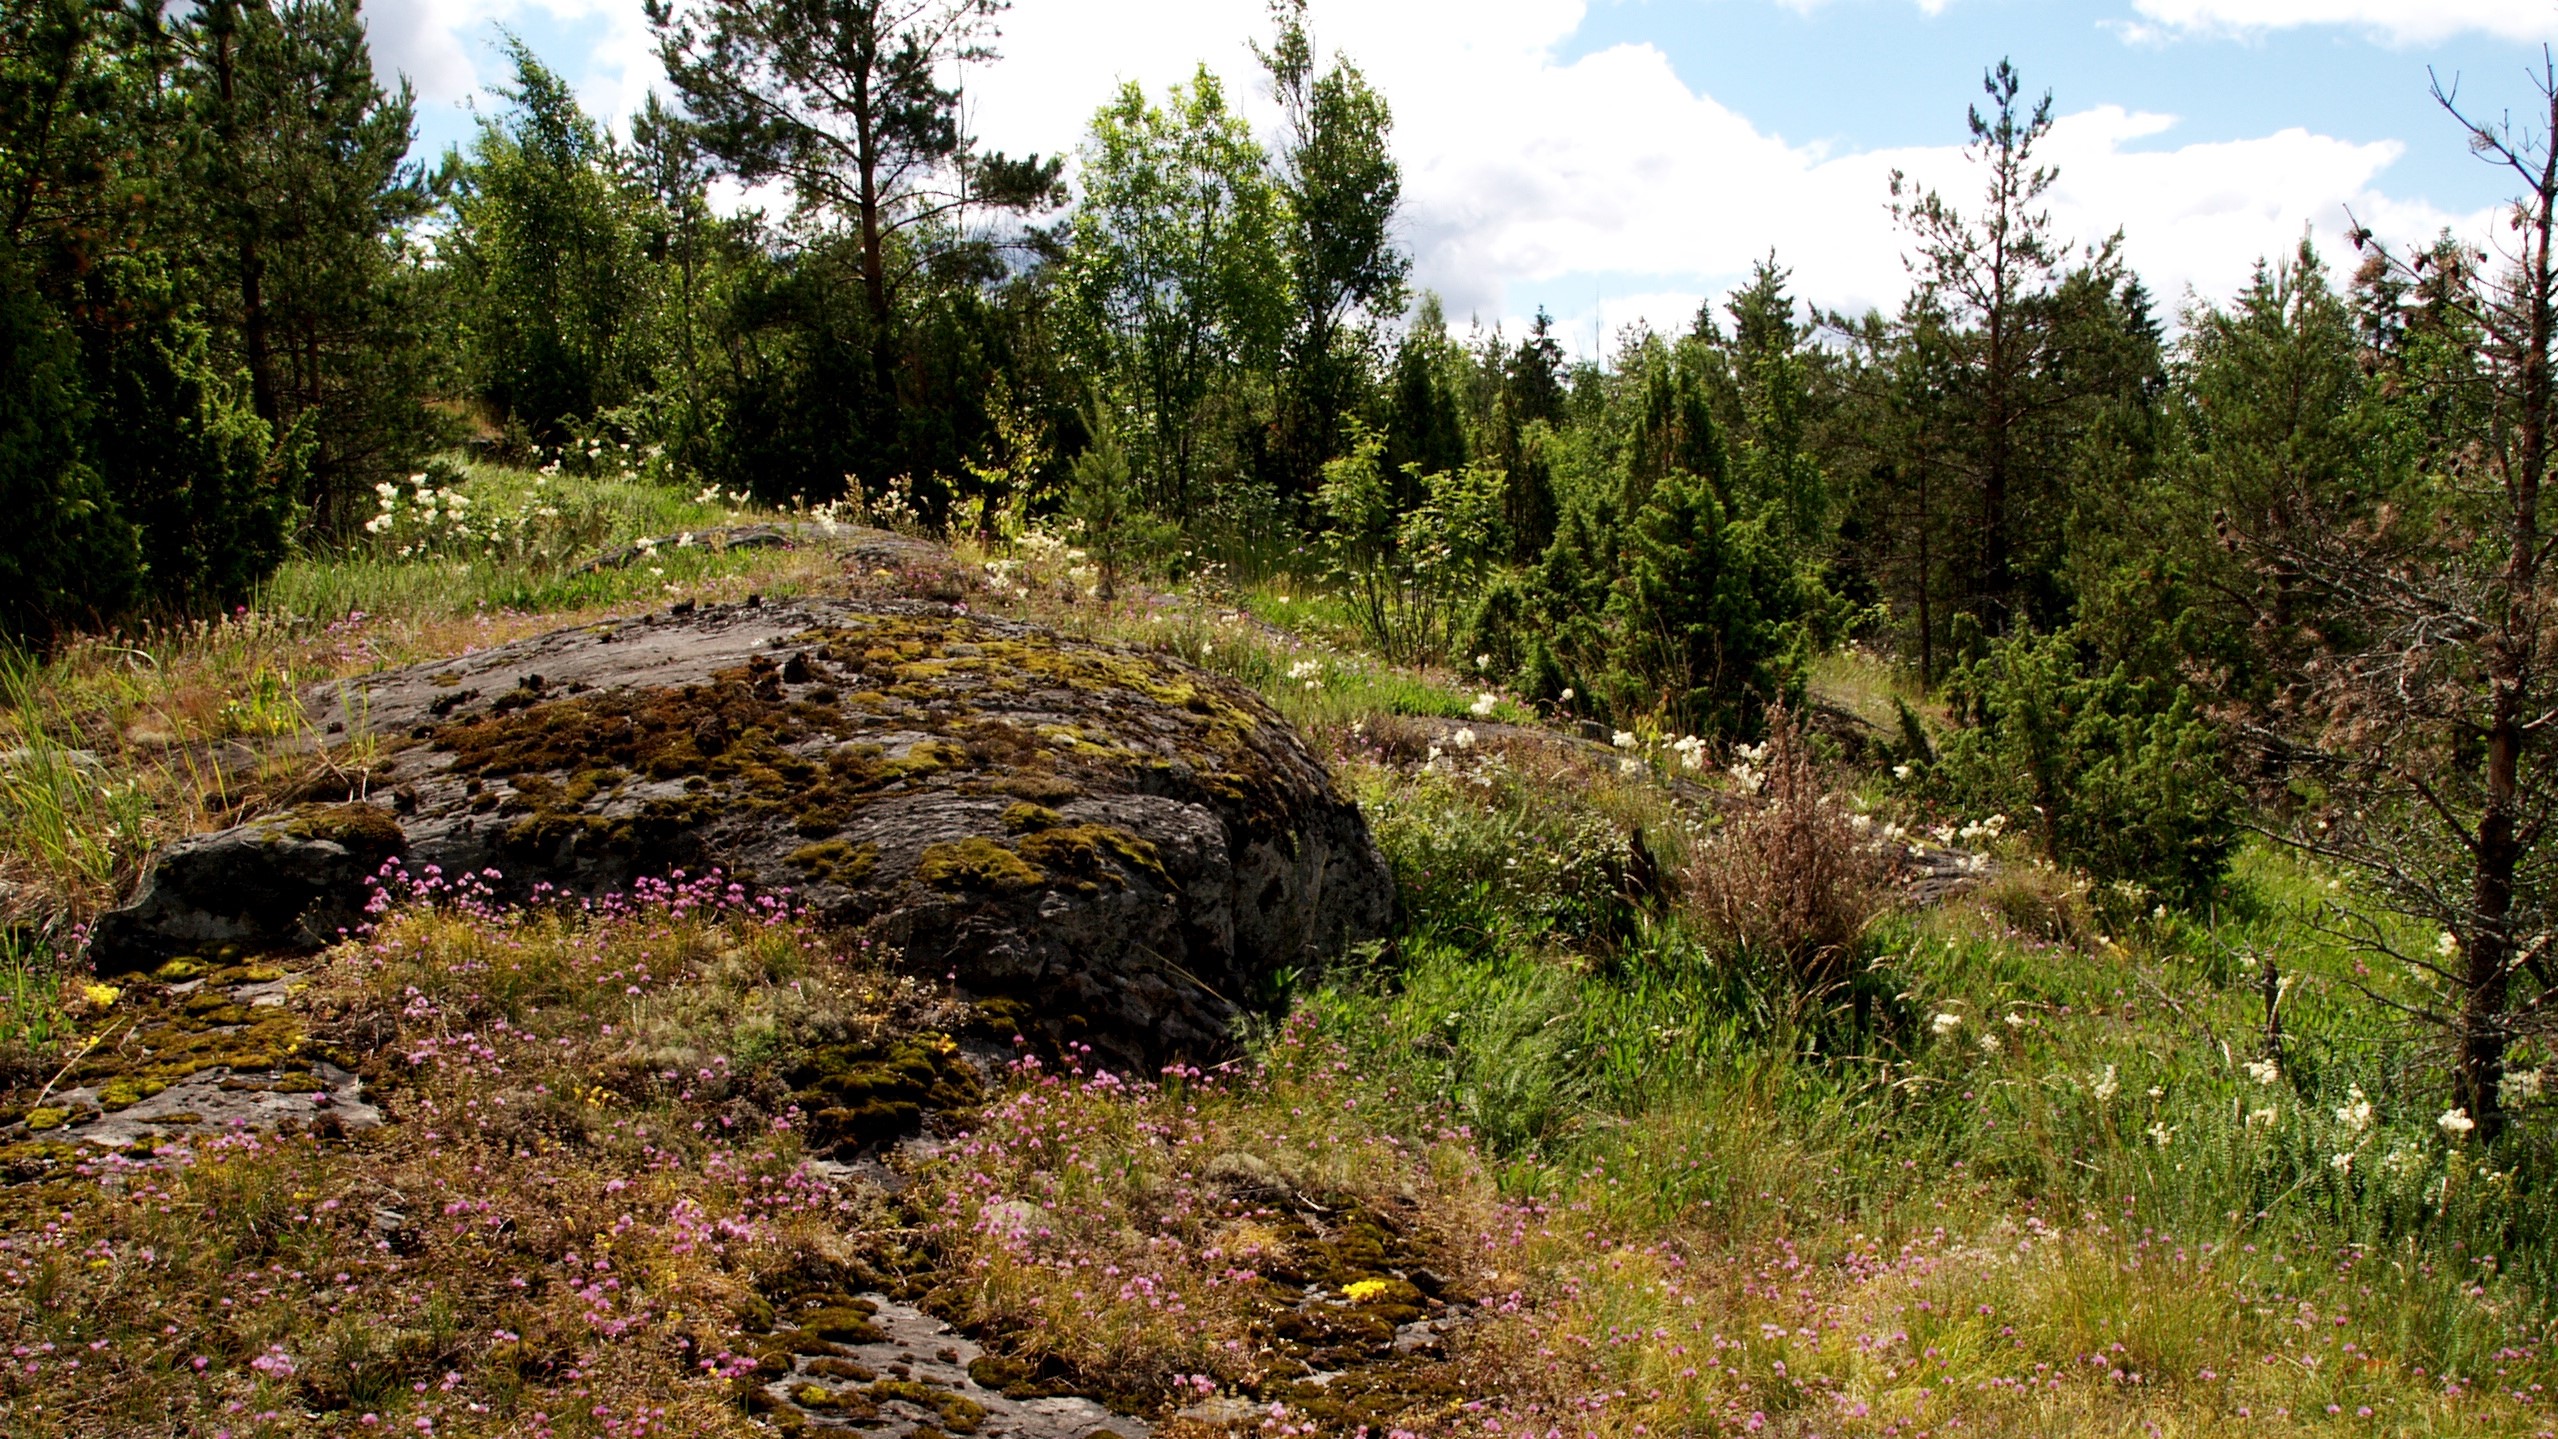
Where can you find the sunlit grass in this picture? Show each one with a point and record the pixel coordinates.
(2059, 1176)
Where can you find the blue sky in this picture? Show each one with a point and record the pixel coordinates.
(1912, 73)
(1619, 160)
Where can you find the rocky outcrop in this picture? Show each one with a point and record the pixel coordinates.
(1131, 848)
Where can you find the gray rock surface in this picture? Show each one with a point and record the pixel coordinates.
(1130, 848)
(923, 1365)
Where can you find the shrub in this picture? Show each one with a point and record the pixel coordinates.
(1407, 573)
(1791, 882)
(69, 552)
(191, 465)
(2121, 773)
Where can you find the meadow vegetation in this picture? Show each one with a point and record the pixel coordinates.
(1978, 869)
(2048, 1156)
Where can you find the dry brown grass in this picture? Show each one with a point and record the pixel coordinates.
(1788, 881)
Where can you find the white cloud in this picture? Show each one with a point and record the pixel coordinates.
(443, 46)
(1522, 169)
(2406, 22)
(1526, 176)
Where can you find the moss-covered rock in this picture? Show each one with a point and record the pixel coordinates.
(1127, 846)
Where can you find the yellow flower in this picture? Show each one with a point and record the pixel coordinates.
(101, 995)
(1363, 1290)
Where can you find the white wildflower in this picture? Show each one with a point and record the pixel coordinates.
(2355, 1115)
(2264, 1071)
(1992, 1044)
(1901, 771)
(2160, 1134)
(2107, 1086)
(1691, 752)
(1945, 1024)
(1463, 739)
(1564, 698)
(1625, 739)
(1482, 663)
(2446, 944)
(2015, 1020)
(1629, 767)
(2342, 1163)
(2456, 1123)
(2156, 1093)
(2265, 1118)
(1484, 704)
(2520, 1087)
(1305, 669)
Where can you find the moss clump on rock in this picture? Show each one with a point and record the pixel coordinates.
(866, 1094)
(364, 828)
(837, 861)
(842, 1326)
(1093, 852)
(977, 863)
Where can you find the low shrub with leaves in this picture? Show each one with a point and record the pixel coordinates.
(2121, 775)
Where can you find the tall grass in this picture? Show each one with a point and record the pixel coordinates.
(2118, 1087)
(67, 819)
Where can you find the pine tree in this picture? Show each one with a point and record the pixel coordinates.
(301, 199)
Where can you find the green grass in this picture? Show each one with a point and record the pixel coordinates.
(1654, 1086)
(2037, 1182)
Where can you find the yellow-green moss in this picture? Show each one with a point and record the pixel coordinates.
(837, 860)
(1031, 818)
(357, 826)
(977, 863)
(1085, 851)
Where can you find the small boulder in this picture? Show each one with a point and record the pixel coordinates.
(288, 882)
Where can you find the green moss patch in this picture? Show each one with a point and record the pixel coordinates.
(837, 861)
(978, 864)
(865, 1094)
(1093, 852)
(364, 828)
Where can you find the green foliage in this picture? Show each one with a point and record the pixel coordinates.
(1409, 572)
(300, 202)
(69, 554)
(211, 495)
(1176, 275)
(1716, 615)
(1102, 499)
(1341, 187)
(544, 249)
(2119, 776)
(1424, 432)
